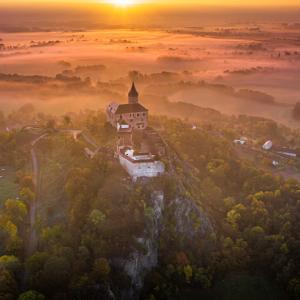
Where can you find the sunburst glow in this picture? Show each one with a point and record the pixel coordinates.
(123, 3)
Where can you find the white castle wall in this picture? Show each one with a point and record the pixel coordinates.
(142, 169)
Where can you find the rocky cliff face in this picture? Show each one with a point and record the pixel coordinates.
(191, 222)
(140, 263)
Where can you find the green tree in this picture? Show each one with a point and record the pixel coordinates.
(56, 272)
(31, 295)
(34, 267)
(27, 182)
(96, 217)
(188, 273)
(15, 210)
(8, 285)
(101, 268)
(67, 120)
(10, 263)
(27, 195)
(202, 277)
(51, 124)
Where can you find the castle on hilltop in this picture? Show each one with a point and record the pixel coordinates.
(132, 119)
(131, 115)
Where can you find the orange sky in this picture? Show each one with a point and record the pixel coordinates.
(185, 3)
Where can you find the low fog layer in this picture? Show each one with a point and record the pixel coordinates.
(237, 69)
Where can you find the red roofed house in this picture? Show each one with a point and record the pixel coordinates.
(133, 113)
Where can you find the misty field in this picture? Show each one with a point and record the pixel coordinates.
(67, 71)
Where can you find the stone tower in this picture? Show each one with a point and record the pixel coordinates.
(133, 95)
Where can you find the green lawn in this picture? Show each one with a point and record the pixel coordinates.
(241, 286)
(8, 187)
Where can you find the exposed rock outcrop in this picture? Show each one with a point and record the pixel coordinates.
(190, 222)
(141, 262)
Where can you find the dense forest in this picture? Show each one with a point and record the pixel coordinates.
(228, 229)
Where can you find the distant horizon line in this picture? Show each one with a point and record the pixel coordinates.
(38, 6)
(142, 15)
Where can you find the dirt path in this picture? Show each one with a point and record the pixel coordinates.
(32, 241)
(89, 140)
(74, 132)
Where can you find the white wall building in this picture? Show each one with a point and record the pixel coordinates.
(140, 164)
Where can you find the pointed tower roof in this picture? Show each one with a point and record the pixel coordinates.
(133, 92)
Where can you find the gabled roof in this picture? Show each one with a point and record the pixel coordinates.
(130, 108)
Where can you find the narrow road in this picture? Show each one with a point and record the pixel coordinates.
(74, 132)
(32, 241)
(93, 143)
(89, 140)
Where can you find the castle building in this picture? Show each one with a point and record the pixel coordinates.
(128, 119)
(131, 115)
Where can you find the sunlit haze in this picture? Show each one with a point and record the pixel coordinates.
(158, 2)
(122, 3)
(150, 149)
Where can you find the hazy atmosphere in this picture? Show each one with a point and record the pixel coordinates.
(261, 58)
(149, 150)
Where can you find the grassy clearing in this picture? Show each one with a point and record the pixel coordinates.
(8, 187)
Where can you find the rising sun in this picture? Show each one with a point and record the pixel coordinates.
(122, 2)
